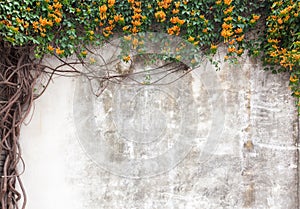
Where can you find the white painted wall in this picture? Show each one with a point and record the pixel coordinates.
(59, 174)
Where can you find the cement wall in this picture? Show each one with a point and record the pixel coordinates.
(225, 139)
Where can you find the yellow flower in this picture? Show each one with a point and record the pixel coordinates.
(227, 2)
(92, 60)
(135, 42)
(218, 2)
(177, 4)
(293, 79)
(178, 57)
(43, 34)
(191, 39)
(231, 49)
(26, 25)
(28, 9)
(213, 47)
(84, 53)
(127, 38)
(126, 58)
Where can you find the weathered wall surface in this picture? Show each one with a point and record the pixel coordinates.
(225, 139)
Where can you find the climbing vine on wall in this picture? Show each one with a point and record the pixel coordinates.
(267, 29)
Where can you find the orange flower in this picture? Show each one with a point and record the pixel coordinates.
(19, 20)
(175, 11)
(111, 22)
(49, 22)
(59, 51)
(103, 9)
(231, 42)
(136, 16)
(226, 26)
(293, 79)
(50, 48)
(231, 49)
(238, 30)
(160, 16)
(279, 21)
(105, 34)
(57, 5)
(135, 30)
(57, 20)
(136, 23)
(228, 19)
(240, 51)
(125, 28)
(170, 31)
(204, 30)
(226, 33)
(26, 25)
(239, 39)
(111, 3)
(138, 3)
(229, 10)
(43, 21)
(256, 17)
(174, 20)
(177, 4)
